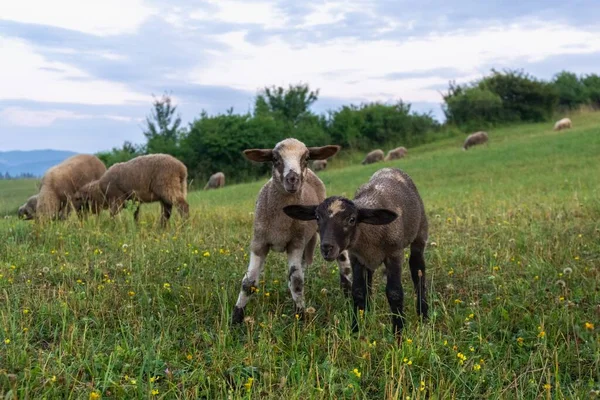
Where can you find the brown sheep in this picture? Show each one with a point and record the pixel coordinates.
(144, 179)
(564, 123)
(216, 181)
(61, 182)
(386, 216)
(319, 165)
(396, 154)
(475, 139)
(373, 157)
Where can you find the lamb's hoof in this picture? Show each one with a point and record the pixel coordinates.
(238, 316)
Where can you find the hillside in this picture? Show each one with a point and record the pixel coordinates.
(34, 162)
(512, 270)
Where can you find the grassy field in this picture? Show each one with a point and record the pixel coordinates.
(107, 309)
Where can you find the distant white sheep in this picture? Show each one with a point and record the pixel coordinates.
(564, 123)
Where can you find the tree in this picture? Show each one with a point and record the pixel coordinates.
(163, 127)
(291, 104)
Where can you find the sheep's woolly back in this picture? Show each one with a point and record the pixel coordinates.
(391, 189)
(564, 123)
(215, 181)
(396, 153)
(475, 139)
(153, 177)
(61, 182)
(374, 156)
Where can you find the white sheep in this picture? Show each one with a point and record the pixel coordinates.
(564, 123)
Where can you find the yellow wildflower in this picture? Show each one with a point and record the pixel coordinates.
(356, 372)
(25, 311)
(520, 341)
(547, 386)
(542, 334)
(155, 392)
(422, 386)
(131, 293)
(206, 254)
(476, 367)
(589, 325)
(409, 341)
(189, 357)
(7, 341)
(94, 396)
(153, 379)
(248, 384)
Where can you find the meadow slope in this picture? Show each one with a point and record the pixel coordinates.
(105, 308)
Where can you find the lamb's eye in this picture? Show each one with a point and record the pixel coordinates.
(351, 221)
(317, 217)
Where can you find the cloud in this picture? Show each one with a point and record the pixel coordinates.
(247, 66)
(28, 75)
(263, 13)
(18, 116)
(103, 18)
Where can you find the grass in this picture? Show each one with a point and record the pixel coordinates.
(105, 308)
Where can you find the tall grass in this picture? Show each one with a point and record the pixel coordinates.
(107, 308)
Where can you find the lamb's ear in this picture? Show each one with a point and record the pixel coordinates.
(322, 153)
(376, 216)
(259, 155)
(303, 213)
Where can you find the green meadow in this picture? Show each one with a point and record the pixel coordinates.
(107, 309)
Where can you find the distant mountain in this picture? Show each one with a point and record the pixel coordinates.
(34, 162)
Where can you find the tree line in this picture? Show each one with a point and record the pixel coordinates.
(212, 143)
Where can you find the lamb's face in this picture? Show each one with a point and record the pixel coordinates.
(290, 161)
(338, 219)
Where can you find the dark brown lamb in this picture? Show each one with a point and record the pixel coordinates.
(386, 216)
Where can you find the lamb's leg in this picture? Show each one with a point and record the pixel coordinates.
(359, 290)
(296, 277)
(166, 213)
(136, 213)
(394, 293)
(417, 273)
(309, 251)
(249, 283)
(345, 270)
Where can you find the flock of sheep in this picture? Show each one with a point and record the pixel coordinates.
(292, 211)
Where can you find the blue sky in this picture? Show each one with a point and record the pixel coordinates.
(79, 75)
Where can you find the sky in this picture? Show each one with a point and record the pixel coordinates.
(80, 74)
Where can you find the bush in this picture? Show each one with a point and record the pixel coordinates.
(572, 92)
(502, 97)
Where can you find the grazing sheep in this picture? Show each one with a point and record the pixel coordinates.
(564, 123)
(61, 182)
(292, 183)
(386, 216)
(144, 179)
(319, 165)
(373, 157)
(216, 181)
(396, 154)
(475, 139)
(27, 210)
